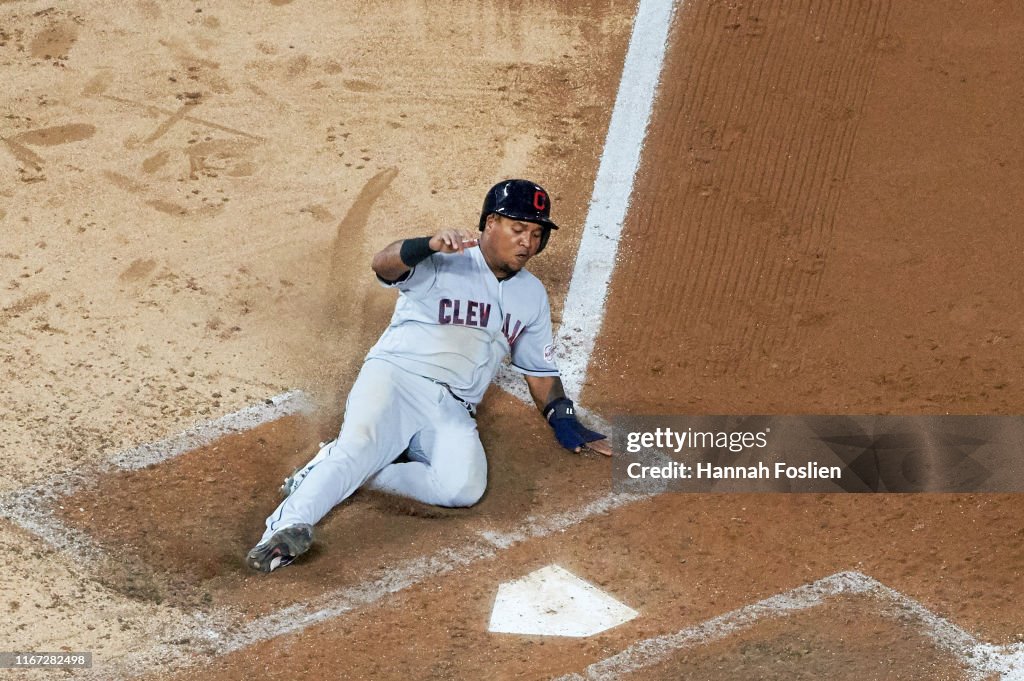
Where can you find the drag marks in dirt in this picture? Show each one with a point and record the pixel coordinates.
(206, 159)
(167, 124)
(351, 232)
(980, 659)
(209, 157)
(45, 137)
(345, 320)
(157, 111)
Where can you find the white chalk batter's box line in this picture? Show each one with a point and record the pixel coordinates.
(224, 631)
(981, 660)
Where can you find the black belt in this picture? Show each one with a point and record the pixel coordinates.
(469, 407)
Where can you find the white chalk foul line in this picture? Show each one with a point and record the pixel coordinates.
(980, 658)
(32, 508)
(583, 312)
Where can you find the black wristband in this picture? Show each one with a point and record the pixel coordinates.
(559, 408)
(415, 251)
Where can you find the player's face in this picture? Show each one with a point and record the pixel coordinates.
(508, 244)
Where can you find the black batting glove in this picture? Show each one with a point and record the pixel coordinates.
(570, 433)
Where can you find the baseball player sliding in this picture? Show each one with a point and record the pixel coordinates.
(465, 302)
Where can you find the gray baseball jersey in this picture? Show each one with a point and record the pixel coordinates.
(455, 322)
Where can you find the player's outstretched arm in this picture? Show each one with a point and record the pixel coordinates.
(549, 396)
(400, 256)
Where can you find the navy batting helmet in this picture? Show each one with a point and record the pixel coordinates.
(520, 200)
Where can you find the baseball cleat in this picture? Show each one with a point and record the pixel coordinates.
(283, 547)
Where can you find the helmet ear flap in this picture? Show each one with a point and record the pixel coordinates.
(491, 202)
(484, 217)
(544, 236)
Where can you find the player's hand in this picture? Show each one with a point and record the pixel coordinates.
(452, 241)
(599, 446)
(570, 433)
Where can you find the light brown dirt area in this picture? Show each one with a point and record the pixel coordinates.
(189, 196)
(822, 223)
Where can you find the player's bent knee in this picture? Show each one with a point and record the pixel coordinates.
(469, 495)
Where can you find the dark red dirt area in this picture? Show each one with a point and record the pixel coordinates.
(679, 560)
(838, 641)
(826, 203)
(205, 509)
(826, 200)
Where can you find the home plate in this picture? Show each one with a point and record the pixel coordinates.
(555, 602)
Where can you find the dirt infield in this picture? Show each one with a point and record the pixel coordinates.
(822, 223)
(189, 198)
